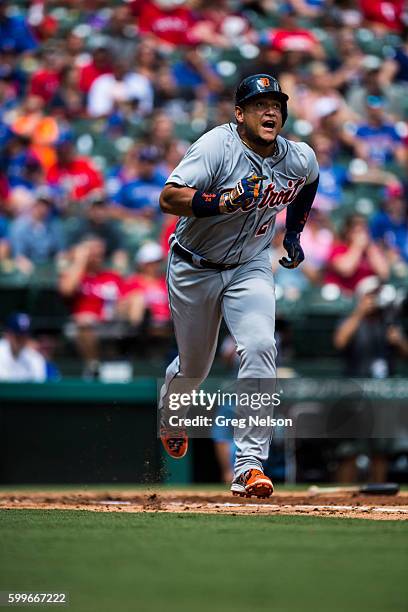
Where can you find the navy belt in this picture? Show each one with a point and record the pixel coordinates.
(197, 260)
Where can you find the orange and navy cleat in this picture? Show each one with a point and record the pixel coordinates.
(175, 441)
(253, 482)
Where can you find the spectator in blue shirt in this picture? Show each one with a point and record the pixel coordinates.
(140, 196)
(14, 79)
(4, 242)
(36, 238)
(194, 77)
(332, 176)
(390, 225)
(15, 33)
(378, 141)
(17, 161)
(29, 172)
(400, 56)
(46, 344)
(5, 134)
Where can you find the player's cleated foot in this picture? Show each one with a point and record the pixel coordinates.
(258, 484)
(237, 488)
(253, 482)
(175, 441)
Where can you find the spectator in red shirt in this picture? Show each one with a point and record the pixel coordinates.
(4, 187)
(385, 14)
(101, 63)
(75, 176)
(168, 228)
(290, 37)
(44, 25)
(46, 81)
(355, 256)
(170, 22)
(93, 292)
(145, 292)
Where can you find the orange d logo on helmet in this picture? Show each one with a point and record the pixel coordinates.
(264, 82)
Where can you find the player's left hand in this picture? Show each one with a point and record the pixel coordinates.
(291, 243)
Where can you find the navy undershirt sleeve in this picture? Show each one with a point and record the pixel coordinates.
(298, 211)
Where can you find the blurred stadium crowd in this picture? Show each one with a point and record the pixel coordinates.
(99, 100)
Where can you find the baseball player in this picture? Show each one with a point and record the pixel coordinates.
(227, 191)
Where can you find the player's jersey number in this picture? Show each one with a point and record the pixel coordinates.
(261, 231)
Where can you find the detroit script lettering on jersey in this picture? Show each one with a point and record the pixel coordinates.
(273, 197)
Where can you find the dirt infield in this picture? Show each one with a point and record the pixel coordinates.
(185, 501)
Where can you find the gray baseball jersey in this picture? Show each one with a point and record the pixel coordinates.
(215, 163)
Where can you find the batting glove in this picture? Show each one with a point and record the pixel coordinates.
(244, 192)
(296, 255)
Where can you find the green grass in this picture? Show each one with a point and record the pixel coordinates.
(202, 563)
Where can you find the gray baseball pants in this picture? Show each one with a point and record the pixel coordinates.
(245, 297)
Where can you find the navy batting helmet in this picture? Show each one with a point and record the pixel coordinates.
(260, 84)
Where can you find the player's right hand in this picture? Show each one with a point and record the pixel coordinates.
(244, 192)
